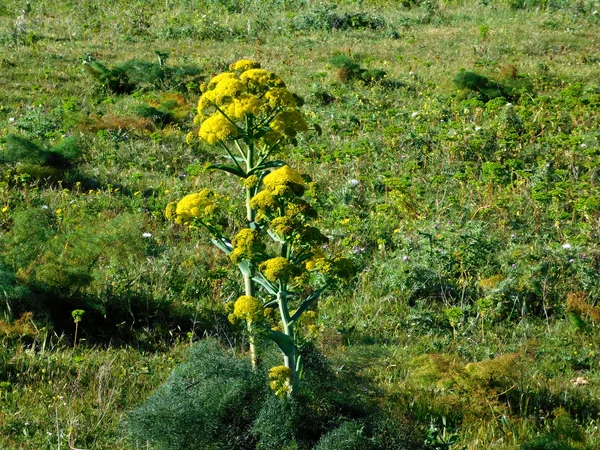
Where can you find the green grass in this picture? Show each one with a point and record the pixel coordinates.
(458, 201)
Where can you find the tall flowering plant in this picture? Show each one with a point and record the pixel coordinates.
(250, 114)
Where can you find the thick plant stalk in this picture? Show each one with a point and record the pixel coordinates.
(248, 282)
(289, 357)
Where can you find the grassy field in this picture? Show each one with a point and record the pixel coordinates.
(457, 167)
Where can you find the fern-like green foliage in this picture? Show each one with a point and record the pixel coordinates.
(135, 74)
(113, 80)
(348, 436)
(160, 116)
(21, 150)
(350, 70)
(486, 88)
(208, 402)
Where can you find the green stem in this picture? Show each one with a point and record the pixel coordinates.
(289, 358)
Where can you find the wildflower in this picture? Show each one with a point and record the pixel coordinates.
(251, 182)
(194, 206)
(260, 79)
(276, 268)
(147, 235)
(566, 246)
(571, 261)
(289, 123)
(583, 146)
(313, 236)
(279, 97)
(243, 65)
(248, 308)
(217, 128)
(11, 119)
(189, 138)
(171, 211)
(405, 258)
(5, 208)
(244, 105)
(263, 202)
(217, 79)
(283, 225)
(353, 182)
(247, 245)
(284, 179)
(281, 380)
(415, 114)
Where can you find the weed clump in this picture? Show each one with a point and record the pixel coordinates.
(576, 303)
(325, 17)
(135, 74)
(350, 70)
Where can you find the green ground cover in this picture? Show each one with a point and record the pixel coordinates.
(457, 167)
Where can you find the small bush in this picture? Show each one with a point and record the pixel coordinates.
(348, 436)
(209, 401)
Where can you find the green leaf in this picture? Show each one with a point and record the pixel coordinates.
(269, 287)
(283, 341)
(267, 165)
(307, 302)
(227, 168)
(223, 245)
(245, 268)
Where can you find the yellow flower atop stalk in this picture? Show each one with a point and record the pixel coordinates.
(248, 308)
(217, 128)
(243, 65)
(193, 206)
(247, 245)
(283, 180)
(276, 268)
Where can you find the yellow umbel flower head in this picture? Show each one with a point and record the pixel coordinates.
(243, 65)
(243, 106)
(247, 245)
(289, 122)
(281, 380)
(280, 97)
(264, 202)
(284, 226)
(248, 308)
(283, 181)
(217, 128)
(276, 268)
(171, 211)
(261, 80)
(251, 182)
(217, 79)
(194, 206)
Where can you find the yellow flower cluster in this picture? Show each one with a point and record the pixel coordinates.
(337, 267)
(243, 106)
(246, 245)
(289, 123)
(284, 181)
(281, 380)
(171, 211)
(283, 225)
(264, 202)
(276, 268)
(247, 308)
(299, 207)
(244, 64)
(246, 91)
(259, 79)
(217, 128)
(279, 97)
(251, 182)
(192, 206)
